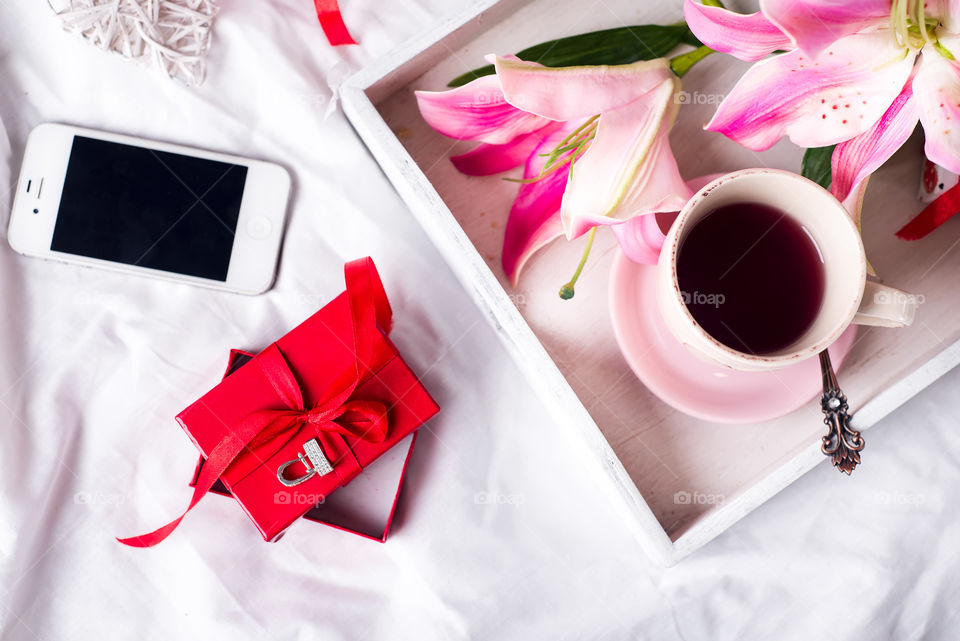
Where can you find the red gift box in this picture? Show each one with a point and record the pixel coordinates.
(366, 506)
(308, 413)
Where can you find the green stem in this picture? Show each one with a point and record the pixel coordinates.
(712, 3)
(684, 62)
(566, 292)
(943, 51)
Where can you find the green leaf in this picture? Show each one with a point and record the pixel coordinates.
(689, 39)
(618, 46)
(816, 165)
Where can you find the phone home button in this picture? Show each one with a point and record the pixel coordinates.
(259, 228)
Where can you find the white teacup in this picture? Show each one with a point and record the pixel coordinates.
(848, 297)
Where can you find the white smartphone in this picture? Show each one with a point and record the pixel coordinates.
(150, 208)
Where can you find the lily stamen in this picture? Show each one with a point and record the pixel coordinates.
(911, 27)
(567, 291)
(574, 145)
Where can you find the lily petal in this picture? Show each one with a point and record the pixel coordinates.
(535, 216)
(815, 102)
(814, 25)
(487, 159)
(747, 37)
(476, 111)
(641, 238)
(629, 169)
(859, 157)
(937, 88)
(854, 206)
(568, 93)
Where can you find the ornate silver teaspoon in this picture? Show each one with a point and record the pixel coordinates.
(841, 443)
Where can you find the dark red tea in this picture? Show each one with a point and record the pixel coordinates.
(752, 277)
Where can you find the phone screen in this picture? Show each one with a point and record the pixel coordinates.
(149, 208)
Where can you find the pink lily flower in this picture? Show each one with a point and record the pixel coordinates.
(858, 73)
(641, 238)
(593, 142)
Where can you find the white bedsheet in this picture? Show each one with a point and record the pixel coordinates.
(94, 366)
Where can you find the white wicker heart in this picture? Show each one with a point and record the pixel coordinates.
(171, 35)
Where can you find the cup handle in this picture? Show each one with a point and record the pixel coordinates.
(884, 306)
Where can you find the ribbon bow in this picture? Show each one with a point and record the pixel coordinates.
(263, 433)
(273, 428)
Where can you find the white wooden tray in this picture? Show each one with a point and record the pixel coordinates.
(679, 481)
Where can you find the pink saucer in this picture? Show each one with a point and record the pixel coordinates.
(695, 387)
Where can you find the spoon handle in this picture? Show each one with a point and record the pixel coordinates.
(841, 443)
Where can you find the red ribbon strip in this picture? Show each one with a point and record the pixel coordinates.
(331, 21)
(261, 434)
(935, 214)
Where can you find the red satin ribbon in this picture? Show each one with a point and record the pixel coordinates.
(261, 434)
(331, 21)
(935, 214)
(366, 420)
